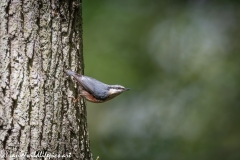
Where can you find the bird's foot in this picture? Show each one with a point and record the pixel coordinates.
(75, 99)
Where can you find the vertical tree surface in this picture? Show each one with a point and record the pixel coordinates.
(37, 40)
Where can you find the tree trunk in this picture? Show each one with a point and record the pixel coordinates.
(38, 39)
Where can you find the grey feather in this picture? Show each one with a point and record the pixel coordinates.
(95, 87)
(99, 90)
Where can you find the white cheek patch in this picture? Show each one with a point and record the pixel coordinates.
(112, 91)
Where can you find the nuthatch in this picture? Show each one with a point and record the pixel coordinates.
(94, 90)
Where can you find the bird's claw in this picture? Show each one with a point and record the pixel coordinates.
(75, 99)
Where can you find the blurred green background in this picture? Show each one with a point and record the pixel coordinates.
(181, 60)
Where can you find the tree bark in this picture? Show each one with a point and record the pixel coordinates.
(38, 39)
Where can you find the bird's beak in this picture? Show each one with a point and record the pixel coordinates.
(127, 89)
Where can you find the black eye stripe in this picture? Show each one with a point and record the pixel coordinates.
(115, 88)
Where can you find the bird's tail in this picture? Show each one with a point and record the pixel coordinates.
(69, 72)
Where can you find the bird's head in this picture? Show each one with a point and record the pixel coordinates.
(115, 90)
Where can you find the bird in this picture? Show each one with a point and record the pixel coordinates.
(93, 90)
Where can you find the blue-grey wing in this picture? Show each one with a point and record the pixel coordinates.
(95, 87)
